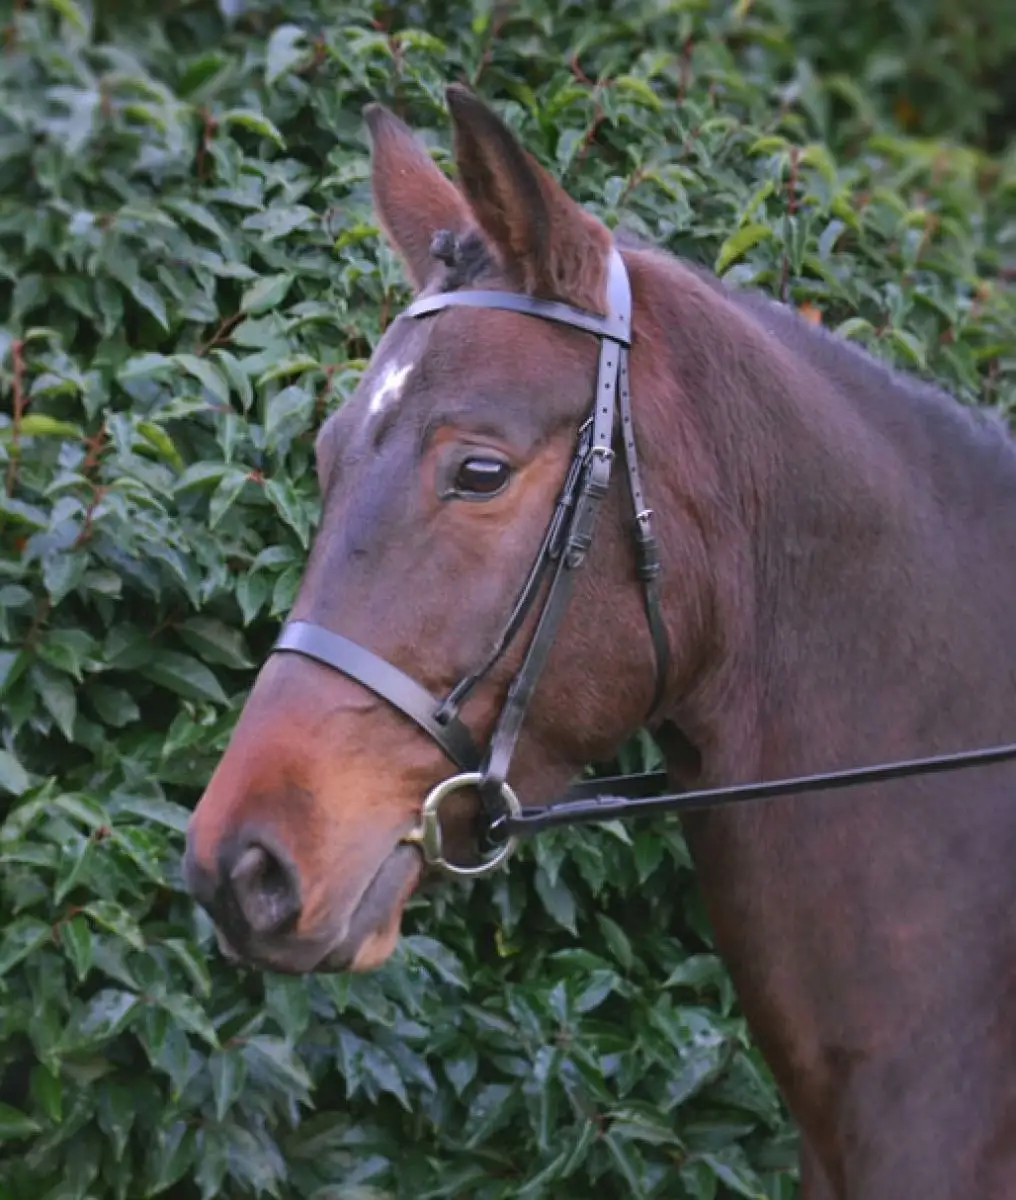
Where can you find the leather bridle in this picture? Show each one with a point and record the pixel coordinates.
(563, 551)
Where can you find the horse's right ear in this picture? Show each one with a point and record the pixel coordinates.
(412, 197)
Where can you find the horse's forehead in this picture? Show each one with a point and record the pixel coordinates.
(389, 375)
(483, 359)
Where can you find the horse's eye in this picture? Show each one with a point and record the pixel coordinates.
(482, 477)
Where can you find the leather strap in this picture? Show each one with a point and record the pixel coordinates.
(550, 547)
(593, 486)
(625, 797)
(615, 325)
(399, 689)
(647, 553)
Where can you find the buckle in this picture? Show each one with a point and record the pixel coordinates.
(427, 836)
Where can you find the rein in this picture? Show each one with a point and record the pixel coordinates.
(562, 552)
(631, 796)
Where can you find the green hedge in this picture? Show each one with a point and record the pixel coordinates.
(190, 280)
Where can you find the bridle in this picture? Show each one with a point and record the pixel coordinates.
(562, 552)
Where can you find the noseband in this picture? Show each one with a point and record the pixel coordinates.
(563, 551)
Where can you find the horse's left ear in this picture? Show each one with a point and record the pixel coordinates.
(547, 244)
(412, 197)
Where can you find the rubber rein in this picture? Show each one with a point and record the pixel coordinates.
(563, 552)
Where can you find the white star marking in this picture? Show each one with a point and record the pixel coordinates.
(388, 389)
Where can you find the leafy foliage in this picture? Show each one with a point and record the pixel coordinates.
(190, 281)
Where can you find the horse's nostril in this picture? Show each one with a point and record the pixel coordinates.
(266, 889)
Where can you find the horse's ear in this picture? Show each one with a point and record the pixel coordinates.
(412, 197)
(547, 244)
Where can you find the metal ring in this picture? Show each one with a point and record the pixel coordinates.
(427, 835)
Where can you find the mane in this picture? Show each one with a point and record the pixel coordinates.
(848, 361)
(901, 406)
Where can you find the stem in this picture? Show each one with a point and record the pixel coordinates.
(17, 411)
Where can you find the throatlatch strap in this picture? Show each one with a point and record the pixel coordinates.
(647, 552)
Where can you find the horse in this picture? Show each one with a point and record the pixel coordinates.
(831, 568)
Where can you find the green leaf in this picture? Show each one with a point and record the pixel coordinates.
(739, 243)
(58, 698)
(105, 1015)
(215, 642)
(279, 222)
(275, 1057)
(47, 1092)
(154, 809)
(195, 967)
(115, 918)
(82, 808)
(251, 593)
(206, 374)
(71, 13)
(184, 675)
(288, 415)
(13, 776)
(438, 957)
(286, 47)
(379, 1068)
(288, 1001)
(617, 941)
(189, 1015)
(461, 1068)
(114, 706)
(229, 488)
(640, 89)
(69, 650)
(74, 866)
(63, 574)
(290, 507)
(253, 122)
(228, 1073)
(626, 1158)
(913, 351)
(734, 1174)
(201, 475)
(213, 1162)
(22, 513)
(19, 939)
(171, 1152)
(76, 942)
(267, 294)
(161, 442)
(558, 900)
(149, 299)
(40, 425)
(117, 1109)
(854, 326)
(296, 364)
(16, 1125)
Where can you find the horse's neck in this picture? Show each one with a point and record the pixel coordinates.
(859, 592)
